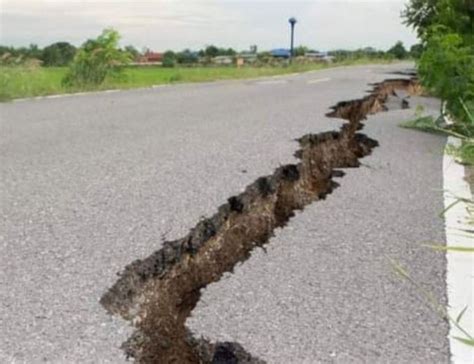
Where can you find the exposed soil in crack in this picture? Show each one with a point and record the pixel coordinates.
(158, 293)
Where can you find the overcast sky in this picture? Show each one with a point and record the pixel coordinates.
(179, 24)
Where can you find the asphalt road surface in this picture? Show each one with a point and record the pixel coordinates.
(90, 183)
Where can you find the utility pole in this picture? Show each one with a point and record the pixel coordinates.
(292, 22)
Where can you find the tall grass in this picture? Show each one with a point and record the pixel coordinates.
(17, 81)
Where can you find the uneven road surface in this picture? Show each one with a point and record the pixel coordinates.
(90, 183)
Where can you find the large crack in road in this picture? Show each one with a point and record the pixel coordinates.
(157, 294)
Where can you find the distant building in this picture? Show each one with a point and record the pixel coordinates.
(280, 53)
(247, 57)
(370, 50)
(223, 60)
(318, 56)
(150, 58)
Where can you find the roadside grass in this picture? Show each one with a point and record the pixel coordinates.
(20, 81)
(464, 130)
(469, 203)
(16, 82)
(147, 76)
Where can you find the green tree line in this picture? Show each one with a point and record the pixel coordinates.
(62, 54)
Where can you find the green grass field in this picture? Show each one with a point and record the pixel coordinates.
(21, 82)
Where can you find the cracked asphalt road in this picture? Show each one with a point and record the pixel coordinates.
(90, 183)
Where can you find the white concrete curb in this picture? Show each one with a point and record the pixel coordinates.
(460, 269)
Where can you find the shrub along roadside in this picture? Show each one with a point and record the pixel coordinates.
(446, 69)
(446, 66)
(97, 60)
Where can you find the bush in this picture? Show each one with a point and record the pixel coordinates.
(446, 64)
(398, 51)
(96, 60)
(58, 54)
(186, 57)
(169, 59)
(446, 68)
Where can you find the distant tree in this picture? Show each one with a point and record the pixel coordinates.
(340, 54)
(58, 54)
(369, 50)
(227, 52)
(134, 53)
(211, 51)
(169, 59)
(398, 51)
(96, 60)
(8, 55)
(6, 49)
(186, 57)
(301, 51)
(33, 51)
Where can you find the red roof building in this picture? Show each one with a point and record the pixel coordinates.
(151, 57)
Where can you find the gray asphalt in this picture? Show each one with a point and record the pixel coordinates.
(90, 183)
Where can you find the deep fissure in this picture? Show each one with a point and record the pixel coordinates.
(158, 293)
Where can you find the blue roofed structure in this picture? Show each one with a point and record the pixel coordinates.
(281, 53)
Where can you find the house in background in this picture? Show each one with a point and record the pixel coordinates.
(280, 53)
(150, 58)
(318, 56)
(223, 60)
(246, 57)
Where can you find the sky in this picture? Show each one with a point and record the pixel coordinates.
(180, 24)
